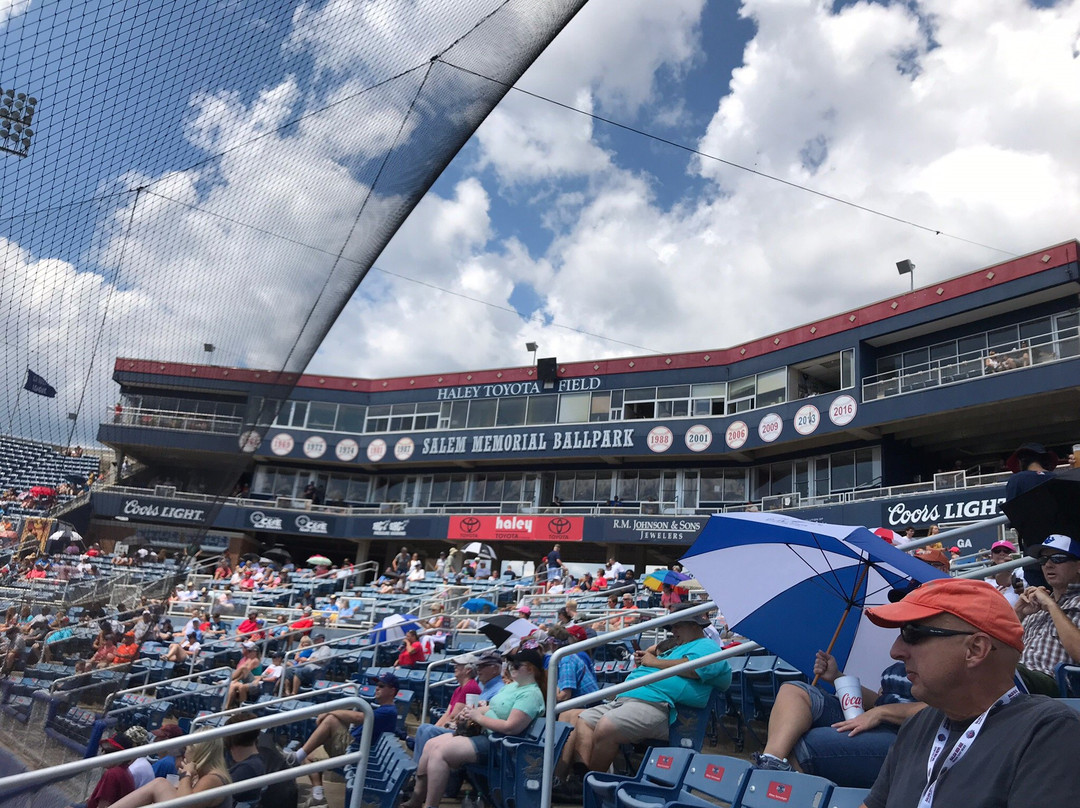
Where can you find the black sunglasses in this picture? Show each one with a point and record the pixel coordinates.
(1056, 558)
(1004, 550)
(914, 633)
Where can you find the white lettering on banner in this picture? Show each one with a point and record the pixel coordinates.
(680, 530)
(305, 524)
(390, 527)
(903, 513)
(444, 446)
(261, 521)
(513, 523)
(514, 389)
(132, 507)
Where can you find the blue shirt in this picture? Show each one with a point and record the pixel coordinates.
(679, 689)
(577, 676)
(895, 686)
(488, 691)
(386, 716)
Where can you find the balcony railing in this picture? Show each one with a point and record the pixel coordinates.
(181, 421)
(1039, 350)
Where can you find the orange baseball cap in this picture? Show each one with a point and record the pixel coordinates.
(973, 602)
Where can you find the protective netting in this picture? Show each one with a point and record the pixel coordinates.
(208, 182)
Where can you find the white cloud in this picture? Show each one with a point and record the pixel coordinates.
(12, 8)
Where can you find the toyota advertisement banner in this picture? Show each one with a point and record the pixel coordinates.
(516, 528)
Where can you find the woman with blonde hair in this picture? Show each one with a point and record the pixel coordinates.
(203, 768)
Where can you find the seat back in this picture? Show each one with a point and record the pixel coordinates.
(1068, 679)
(690, 725)
(847, 797)
(717, 777)
(665, 766)
(765, 788)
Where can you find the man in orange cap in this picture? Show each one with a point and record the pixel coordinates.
(981, 742)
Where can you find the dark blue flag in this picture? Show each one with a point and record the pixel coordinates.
(36, 384)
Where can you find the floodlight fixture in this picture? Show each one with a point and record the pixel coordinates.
(532, 347)
(16, 114)
(905, 267)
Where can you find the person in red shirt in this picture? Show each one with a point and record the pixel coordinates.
(250, 627)
(600, 583)
(116, 781)
(305, 622)
(412, 652)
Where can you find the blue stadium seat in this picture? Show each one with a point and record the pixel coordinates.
(764, 789)
(710, 780)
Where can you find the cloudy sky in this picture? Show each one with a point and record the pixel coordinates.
(949, 126)
(959, 116)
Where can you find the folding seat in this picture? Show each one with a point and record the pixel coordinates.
(765, 788)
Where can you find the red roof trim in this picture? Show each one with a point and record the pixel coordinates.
(985, 278)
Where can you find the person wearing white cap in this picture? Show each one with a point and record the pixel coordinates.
(1052, 619)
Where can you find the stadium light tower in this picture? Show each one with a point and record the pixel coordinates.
(532, 347)
(16, 115)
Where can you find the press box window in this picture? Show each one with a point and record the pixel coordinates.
(574, 408)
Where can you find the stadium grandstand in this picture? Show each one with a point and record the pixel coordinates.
(199, 540)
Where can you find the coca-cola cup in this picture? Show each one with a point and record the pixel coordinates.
(849, 691)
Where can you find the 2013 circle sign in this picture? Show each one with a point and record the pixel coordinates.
(736, 434)
(843, 409)
(698, 438)
(770, 427)
(659, 439)
(807, 419)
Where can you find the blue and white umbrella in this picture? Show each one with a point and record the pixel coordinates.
(796, 587)
(394, 627)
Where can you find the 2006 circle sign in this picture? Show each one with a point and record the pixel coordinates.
(807, 419)
(736, 435)
(376, 450)
(659, 439)
(698, 438)
(770, 427)
(842, 410)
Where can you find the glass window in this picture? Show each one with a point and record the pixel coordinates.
(574, 408)
(321, 415)
(916, 358)
(802, 478)
(285, 483)
(477, 488)
(711, 390)
(482, 412)
(772, 387)
(601, 407)
(1036, 332)
(511, 412)
(711, 486)
(761, 482)
(494, 491)
(971, 347)
(603, 487)
(1002, 338)
(440, 488)
(843, 471)
(821, 477)
(866, 473)
(350, 418)
(943, 352)
(742, 388)
(457, 488)
(378, 418)
(782, 480)
(512, 488)
(459, 415)
(674, 391)
(886, 364)
(640, 394)
(847, 369)
(542, 410)
(627, 488)
(564, 486)
(263, 483)
(585, 486)
(649, 486)
(735, 486)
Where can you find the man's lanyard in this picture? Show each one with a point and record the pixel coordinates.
(960, 748)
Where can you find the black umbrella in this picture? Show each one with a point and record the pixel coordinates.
(1051, 507)
(279, 555)
(253, 557)
(75, 479)
(505, 630)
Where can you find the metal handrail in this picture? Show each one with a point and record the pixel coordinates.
(19, 782)
(247, 708)
(948, 535)
(113, 696)
(555, 707)
(295, 651)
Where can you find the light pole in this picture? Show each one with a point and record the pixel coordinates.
(16, 114)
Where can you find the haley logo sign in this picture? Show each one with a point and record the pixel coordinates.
(515, 528)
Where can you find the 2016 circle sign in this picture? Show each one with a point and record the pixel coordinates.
(659, 439)
(843, 409)
(698, 438)
(770, 427)
(376, 450)
(736, 434)
(807, 419)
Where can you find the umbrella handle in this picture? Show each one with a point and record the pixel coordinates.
(843, 618)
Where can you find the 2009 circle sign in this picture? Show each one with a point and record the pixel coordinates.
(807, 419)
(736, 434)
(843, 409)
(770, 427)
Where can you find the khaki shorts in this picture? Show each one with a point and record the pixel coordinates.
(635, 720)
(338, 743)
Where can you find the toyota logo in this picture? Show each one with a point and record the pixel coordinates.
(560, 526)
(470, 524)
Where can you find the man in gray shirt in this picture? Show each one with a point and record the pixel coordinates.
(981, 742)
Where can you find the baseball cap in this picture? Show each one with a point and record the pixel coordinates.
(166, 732)
(116, 743)
(972, 601)
(530, 655)
(525, 610)
(577, 632)
(249, 646)
(1008, 545)
(389, 679)
(1047, 458)
(697, 619)
(933, 557)
(1056, 541)
(490, 656)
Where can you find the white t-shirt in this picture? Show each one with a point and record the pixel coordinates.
(271, 673)
(142, 771)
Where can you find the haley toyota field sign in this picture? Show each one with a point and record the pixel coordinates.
(515, 528)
